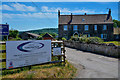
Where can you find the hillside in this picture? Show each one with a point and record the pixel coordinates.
(39, 31)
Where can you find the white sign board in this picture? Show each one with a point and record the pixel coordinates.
(57, 51)
(24, 53)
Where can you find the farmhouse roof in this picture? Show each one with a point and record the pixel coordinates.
(85, 19)
(47, 35)
(32, 34)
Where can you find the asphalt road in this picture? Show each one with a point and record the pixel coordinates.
(91, 65)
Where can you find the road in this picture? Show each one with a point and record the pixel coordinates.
(92, 65)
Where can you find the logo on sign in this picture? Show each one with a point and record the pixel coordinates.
(30, 46)
(11, 65)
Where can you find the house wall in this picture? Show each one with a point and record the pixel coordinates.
(47, 38)
(67, 34)
(116, 37)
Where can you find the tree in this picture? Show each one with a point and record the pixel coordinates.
(39, 38)
(13, 33)
(116, 23)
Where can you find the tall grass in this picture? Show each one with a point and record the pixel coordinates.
(57, 70)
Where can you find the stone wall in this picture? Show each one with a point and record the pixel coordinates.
(104, 49)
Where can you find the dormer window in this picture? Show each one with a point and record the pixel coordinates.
(83, 19)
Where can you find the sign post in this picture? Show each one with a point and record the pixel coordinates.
(4, 30)
(27, 53)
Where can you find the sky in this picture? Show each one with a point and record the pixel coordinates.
(25, 16)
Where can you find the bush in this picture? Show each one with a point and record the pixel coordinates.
(13, 33)
(39, 38)
(93, 40)
(82, 39)
(87, 39)
(59, 38)
(15, 39)
(64, 38)
(74, 38)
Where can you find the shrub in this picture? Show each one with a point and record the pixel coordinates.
(63, 38)
(59, 38)
(93, 40)
(82, 39)
(15, 39)
(74, 38)
(39, 38)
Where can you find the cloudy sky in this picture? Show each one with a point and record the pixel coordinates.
(36, 15)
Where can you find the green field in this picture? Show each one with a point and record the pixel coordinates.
(114, 42)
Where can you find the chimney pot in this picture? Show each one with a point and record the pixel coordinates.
(58, 13)
(109, 14)
(71, 16)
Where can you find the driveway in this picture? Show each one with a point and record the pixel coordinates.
(91, 65)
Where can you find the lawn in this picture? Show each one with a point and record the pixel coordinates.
(114, 42)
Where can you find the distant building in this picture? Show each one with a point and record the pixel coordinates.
(117, 33)
(26, 36)
(47, 36)
(92, 25)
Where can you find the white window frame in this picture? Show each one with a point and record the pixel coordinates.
(86, 27)
(103, 36)
(65, 27)
(104, 27)
(75, 27)
(95, 27)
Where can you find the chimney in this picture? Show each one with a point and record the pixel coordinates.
(71, 16)
(109, 14)
(58, 13)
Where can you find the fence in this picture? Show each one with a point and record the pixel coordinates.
(54, 44)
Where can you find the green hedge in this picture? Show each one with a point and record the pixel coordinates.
(87, 39)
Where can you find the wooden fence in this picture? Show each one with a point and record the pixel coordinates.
(60, 58)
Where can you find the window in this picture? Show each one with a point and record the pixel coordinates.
(86, 27)
(103, 36)
(75, 27)
(95, 27)
(117, 36)
(65, 27)
(104, 27)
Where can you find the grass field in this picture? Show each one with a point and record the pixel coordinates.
(114, 42)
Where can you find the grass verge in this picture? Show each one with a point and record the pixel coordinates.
(114, 42)
(57, 70)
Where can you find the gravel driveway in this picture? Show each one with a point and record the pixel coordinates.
(91, 65)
